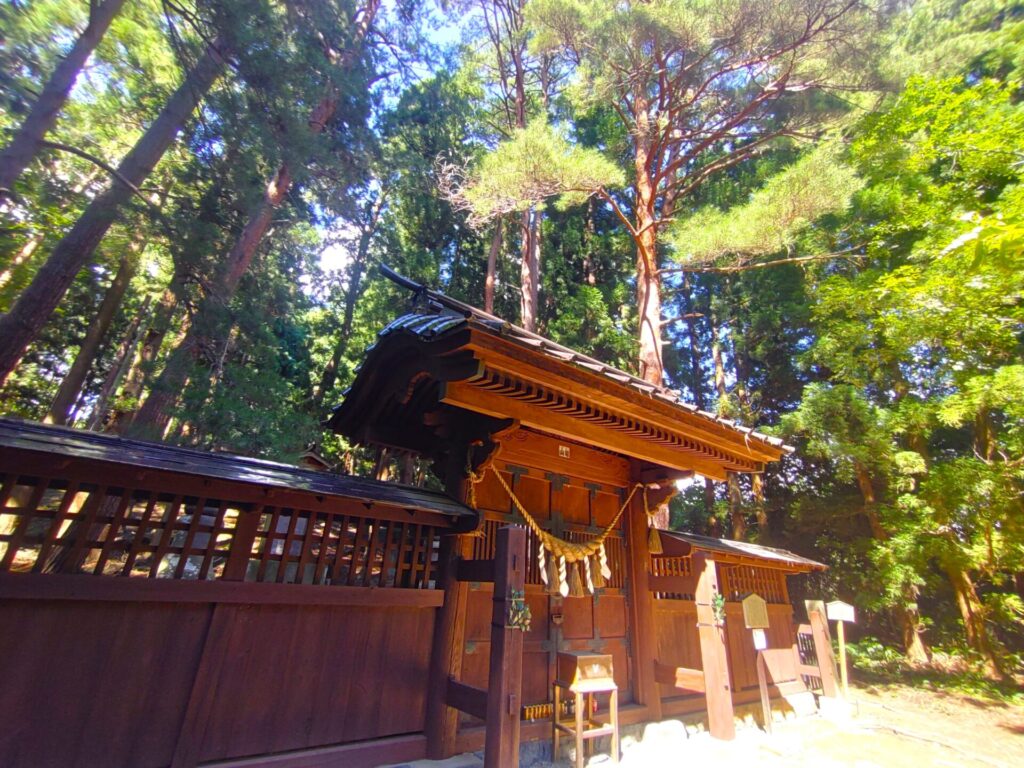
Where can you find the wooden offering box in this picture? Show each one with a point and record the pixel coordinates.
(585, 674)
(584, 671)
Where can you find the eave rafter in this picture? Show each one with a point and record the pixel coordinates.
(636, 437)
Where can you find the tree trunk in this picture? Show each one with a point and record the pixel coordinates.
(908, 615)
(973, 614)
(20, 326)
(25, 145)
(697, 382)
(117, 371)
(141, 363)
(648, 277)
(527, 274)
(588, 239)
(760, 512)
(648, 299)
(492, 268)
(154, 414)
(71, 385)
(330, 374)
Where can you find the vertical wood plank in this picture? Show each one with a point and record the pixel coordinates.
(307, 548)
(269, 537)
(204, 686)
(643, 635)
(242, 540)
(193, 525)
(505, 681)
(286, 551)
(117, 521)
(823, 650)
(447, 649)
(714, 657)
(209, 552)
(357, 544)
(339, 550)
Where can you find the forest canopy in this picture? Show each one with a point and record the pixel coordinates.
(805, 215)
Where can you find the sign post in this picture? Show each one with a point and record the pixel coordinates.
(755, 617)
(840, 613)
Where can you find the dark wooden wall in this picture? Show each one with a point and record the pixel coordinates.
(127, 683)
(142, 626)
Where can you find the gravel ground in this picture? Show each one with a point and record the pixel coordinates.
(892, 727)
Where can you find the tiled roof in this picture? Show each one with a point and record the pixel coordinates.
(437, 314)
(743, 549)
(65, 442)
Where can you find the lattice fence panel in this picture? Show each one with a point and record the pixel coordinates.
(740, 580)
(48, 525)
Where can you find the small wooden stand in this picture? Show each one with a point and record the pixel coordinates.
(585, 674)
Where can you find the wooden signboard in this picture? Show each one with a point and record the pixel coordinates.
(755, 611)
(839, 611)
(813, 606)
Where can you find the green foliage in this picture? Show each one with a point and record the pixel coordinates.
(538, 162)
(819, 183)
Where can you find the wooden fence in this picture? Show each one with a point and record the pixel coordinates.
(152, 618)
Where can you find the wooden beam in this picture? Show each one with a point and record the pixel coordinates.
(671, 584)
(713, 652)
(519, 361)
(683, 678)
(36, 586)
(543, 420)
(475, 570)
(505, 679)
(442, 722)
(641, 603)
(467, 698)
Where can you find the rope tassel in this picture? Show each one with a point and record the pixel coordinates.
(542, 564)
(603, 556)
(587, 578)
(594, 568)
(654, 542)
(575, 582)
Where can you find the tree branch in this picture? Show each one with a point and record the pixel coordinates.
(762, 264)
(101, 164)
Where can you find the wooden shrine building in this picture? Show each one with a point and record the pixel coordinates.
(163, 606)
(517, 425)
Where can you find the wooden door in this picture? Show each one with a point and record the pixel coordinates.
(572, 507)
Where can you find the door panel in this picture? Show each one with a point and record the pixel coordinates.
(572, 508)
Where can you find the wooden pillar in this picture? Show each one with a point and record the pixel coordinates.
(442, 721)
(714, 657)
(641, 600)
(823, 650)
(505, 680)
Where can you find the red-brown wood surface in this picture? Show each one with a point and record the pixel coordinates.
(505, 679)
(574, 496)
(123, 683)
(156, 624)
